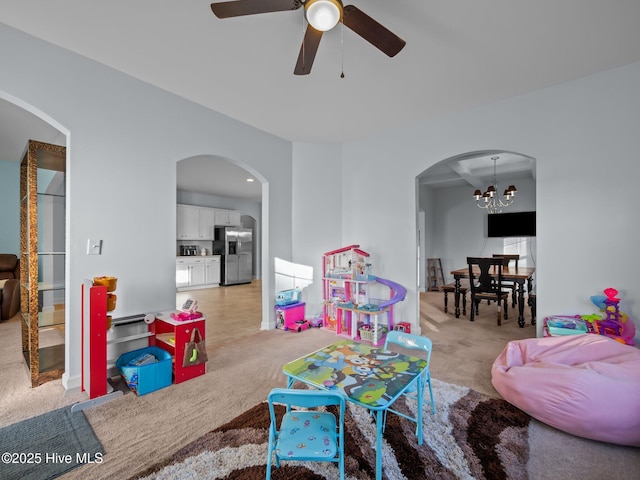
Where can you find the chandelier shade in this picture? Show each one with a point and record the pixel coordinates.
(490, 200)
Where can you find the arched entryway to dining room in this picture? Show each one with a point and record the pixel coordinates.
(451, 226)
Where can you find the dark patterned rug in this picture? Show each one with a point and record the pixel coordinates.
(471, 436)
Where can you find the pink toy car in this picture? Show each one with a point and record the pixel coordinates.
(298, 325)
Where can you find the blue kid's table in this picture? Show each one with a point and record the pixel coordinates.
(367, 375)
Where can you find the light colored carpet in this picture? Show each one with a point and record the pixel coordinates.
(137, 432)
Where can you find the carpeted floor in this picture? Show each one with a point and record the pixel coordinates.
(48, 445)
(470, 436)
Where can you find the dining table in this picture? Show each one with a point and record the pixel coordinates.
(368, 376)
(521, 276)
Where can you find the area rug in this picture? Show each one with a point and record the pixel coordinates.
(48, 445)
(470, 436)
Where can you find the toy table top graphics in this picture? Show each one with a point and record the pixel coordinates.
(371, 377)
(368, 375)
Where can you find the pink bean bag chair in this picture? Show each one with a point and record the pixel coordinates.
(586, 385)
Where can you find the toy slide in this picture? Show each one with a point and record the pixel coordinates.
(398, 292)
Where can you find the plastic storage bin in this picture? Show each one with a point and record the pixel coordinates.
(565, 326)
(144, 379)
(288, 315)
(372, 334)
(288, 297)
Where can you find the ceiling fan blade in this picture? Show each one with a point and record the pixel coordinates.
(308, 51)
(374, 33)
(238, 8)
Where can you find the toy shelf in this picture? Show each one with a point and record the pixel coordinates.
(167, 338)
(364, 319)
(165, 328)
(95, 373)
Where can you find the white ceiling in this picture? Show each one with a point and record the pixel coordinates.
(459, 54)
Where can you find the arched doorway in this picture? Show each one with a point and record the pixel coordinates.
(450, 224)
(219, 186)
(46, 346)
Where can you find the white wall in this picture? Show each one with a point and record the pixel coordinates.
(583, 135)
(10, 209)
(316, 211)
(124, 139)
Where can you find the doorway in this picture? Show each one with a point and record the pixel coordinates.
(450, 226)
(220, 185)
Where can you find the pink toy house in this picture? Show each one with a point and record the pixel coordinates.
(347, 306)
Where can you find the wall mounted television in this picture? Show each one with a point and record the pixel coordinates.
(515, 224)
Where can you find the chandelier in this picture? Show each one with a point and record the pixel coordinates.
(490, 199)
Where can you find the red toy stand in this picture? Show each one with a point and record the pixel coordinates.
(172, 335)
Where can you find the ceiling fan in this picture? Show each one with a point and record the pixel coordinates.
(322, 15)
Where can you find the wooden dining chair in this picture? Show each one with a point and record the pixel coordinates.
(509, 260)
(531, 301)
(485, 282)
(451, 288)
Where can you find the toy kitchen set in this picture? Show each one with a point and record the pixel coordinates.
(211, 249)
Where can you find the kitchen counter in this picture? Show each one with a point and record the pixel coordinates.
(197, 271)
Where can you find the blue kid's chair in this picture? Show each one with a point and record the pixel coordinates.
(306, 435)
(413, 342)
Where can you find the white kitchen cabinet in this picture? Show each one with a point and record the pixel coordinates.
(194, 223)
(227, 218)
(190, 272)
(182, 273)
(206, 221)
(212, 270)
(197, 272)
(234, 219)
(187, 222)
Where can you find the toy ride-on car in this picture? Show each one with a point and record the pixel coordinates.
(299, 325)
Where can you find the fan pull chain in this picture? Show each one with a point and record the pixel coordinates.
(342, 48)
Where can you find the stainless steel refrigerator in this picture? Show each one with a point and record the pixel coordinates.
(236, 247)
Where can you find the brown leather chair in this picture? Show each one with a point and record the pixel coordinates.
(9, 285)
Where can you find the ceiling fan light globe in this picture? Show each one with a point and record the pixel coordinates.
(323, 15)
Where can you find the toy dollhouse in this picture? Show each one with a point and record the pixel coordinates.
(348, 289)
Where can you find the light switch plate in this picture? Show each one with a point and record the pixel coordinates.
(94, 247)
